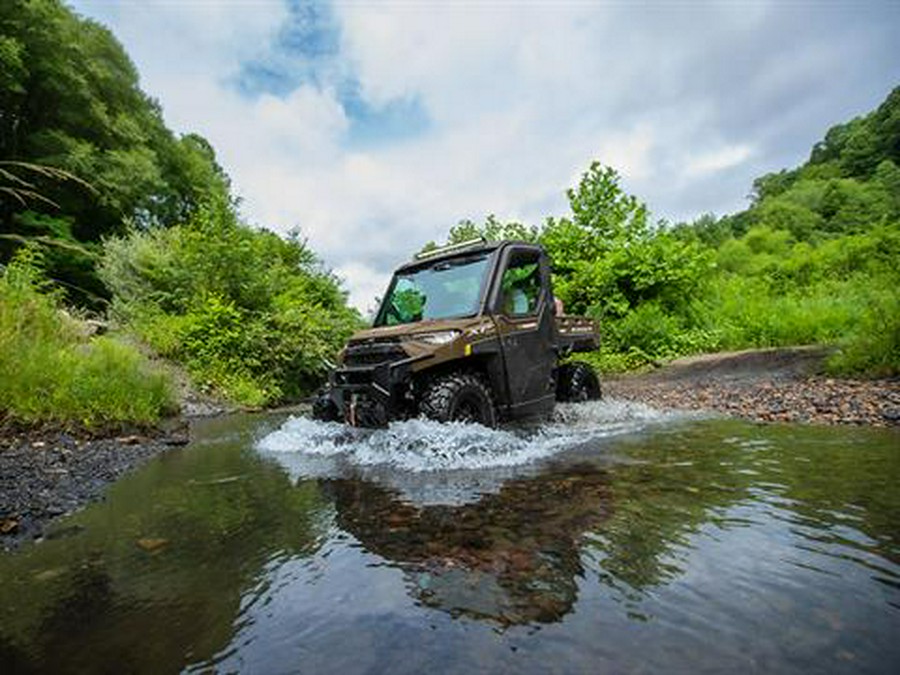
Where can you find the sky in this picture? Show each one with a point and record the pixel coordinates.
(374, 127)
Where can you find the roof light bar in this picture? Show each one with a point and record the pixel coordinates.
(450, 248)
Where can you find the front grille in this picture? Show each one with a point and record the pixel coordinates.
(353, 377)
(373, 354)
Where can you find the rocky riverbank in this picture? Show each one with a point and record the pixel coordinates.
(773, 385)
(47, 474)
(50, 473)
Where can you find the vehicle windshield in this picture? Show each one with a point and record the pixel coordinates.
(448, 289)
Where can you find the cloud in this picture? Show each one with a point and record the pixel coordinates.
(374, 127)
(717, 160)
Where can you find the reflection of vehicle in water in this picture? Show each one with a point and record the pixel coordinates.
(512, 557)
(470, 332)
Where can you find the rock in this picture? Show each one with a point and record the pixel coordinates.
(151, 544)
(777, 385)
(50, 574)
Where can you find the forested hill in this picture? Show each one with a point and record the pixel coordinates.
(70, 100)
(105, 209)
(850, 184)
(813, 260)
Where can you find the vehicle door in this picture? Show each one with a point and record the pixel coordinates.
(523, 312)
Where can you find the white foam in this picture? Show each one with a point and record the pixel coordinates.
(412, 445)
(431, 462)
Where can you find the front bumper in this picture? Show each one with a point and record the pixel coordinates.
(372, 396)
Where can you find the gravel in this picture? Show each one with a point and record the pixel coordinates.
(774, 385)
(45, 475)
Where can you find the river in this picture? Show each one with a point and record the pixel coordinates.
(615, 539)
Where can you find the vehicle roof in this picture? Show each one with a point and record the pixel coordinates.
(482, 247)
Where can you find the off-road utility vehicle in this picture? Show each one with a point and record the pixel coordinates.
(467, 332)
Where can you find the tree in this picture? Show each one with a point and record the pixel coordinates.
(70, 102)
(492, 229)
(607, 257)
(772, 185)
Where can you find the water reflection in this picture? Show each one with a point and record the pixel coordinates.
(155, 577)
(512, 556)
(662, 549)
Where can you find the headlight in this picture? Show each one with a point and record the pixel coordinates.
(440, 337)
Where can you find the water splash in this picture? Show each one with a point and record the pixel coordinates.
(431, 462)
(425, 445)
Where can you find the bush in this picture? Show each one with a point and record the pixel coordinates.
(251, 315)
(767, 290)
(50, 372)
(873, 345)
(606, 360)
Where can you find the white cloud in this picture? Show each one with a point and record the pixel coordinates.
(717, 160)
(365, 283)
(689, 103)
(307, 121)
(630, 152)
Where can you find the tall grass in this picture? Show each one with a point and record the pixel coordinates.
(51, 373)
(844, 292)
(747, 312)
(872, 346)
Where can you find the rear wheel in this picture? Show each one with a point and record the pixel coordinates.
(577, 382)
(459, 397)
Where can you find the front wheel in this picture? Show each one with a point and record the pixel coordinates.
(324, 409)
(577, 382)
(459, 397)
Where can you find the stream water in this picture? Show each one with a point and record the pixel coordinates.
(615, 539)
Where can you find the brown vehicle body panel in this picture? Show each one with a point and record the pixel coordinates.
(518, 355)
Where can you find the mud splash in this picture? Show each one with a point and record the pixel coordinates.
(429, 462)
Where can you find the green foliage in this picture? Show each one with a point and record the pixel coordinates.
(781, 213)
(51, 372)
(772, 290)
(872, 345)
(251, 314)
(70, 106)
(609, 260)
(813, 260)
(707, 230)
(491, 230)
(601, 207)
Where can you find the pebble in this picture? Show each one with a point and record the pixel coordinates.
(813, 399)
(44, 478)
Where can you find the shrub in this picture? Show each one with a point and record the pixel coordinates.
(250, 314)
(873, 344)
(50, 372)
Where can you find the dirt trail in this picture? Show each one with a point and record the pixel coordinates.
(765, 385)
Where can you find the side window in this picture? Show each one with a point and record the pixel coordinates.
(520, 286)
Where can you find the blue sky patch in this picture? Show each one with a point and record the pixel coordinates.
(307, 51)
(370, 125)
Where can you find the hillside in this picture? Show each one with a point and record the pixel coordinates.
(106, 213)
(812, 261)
